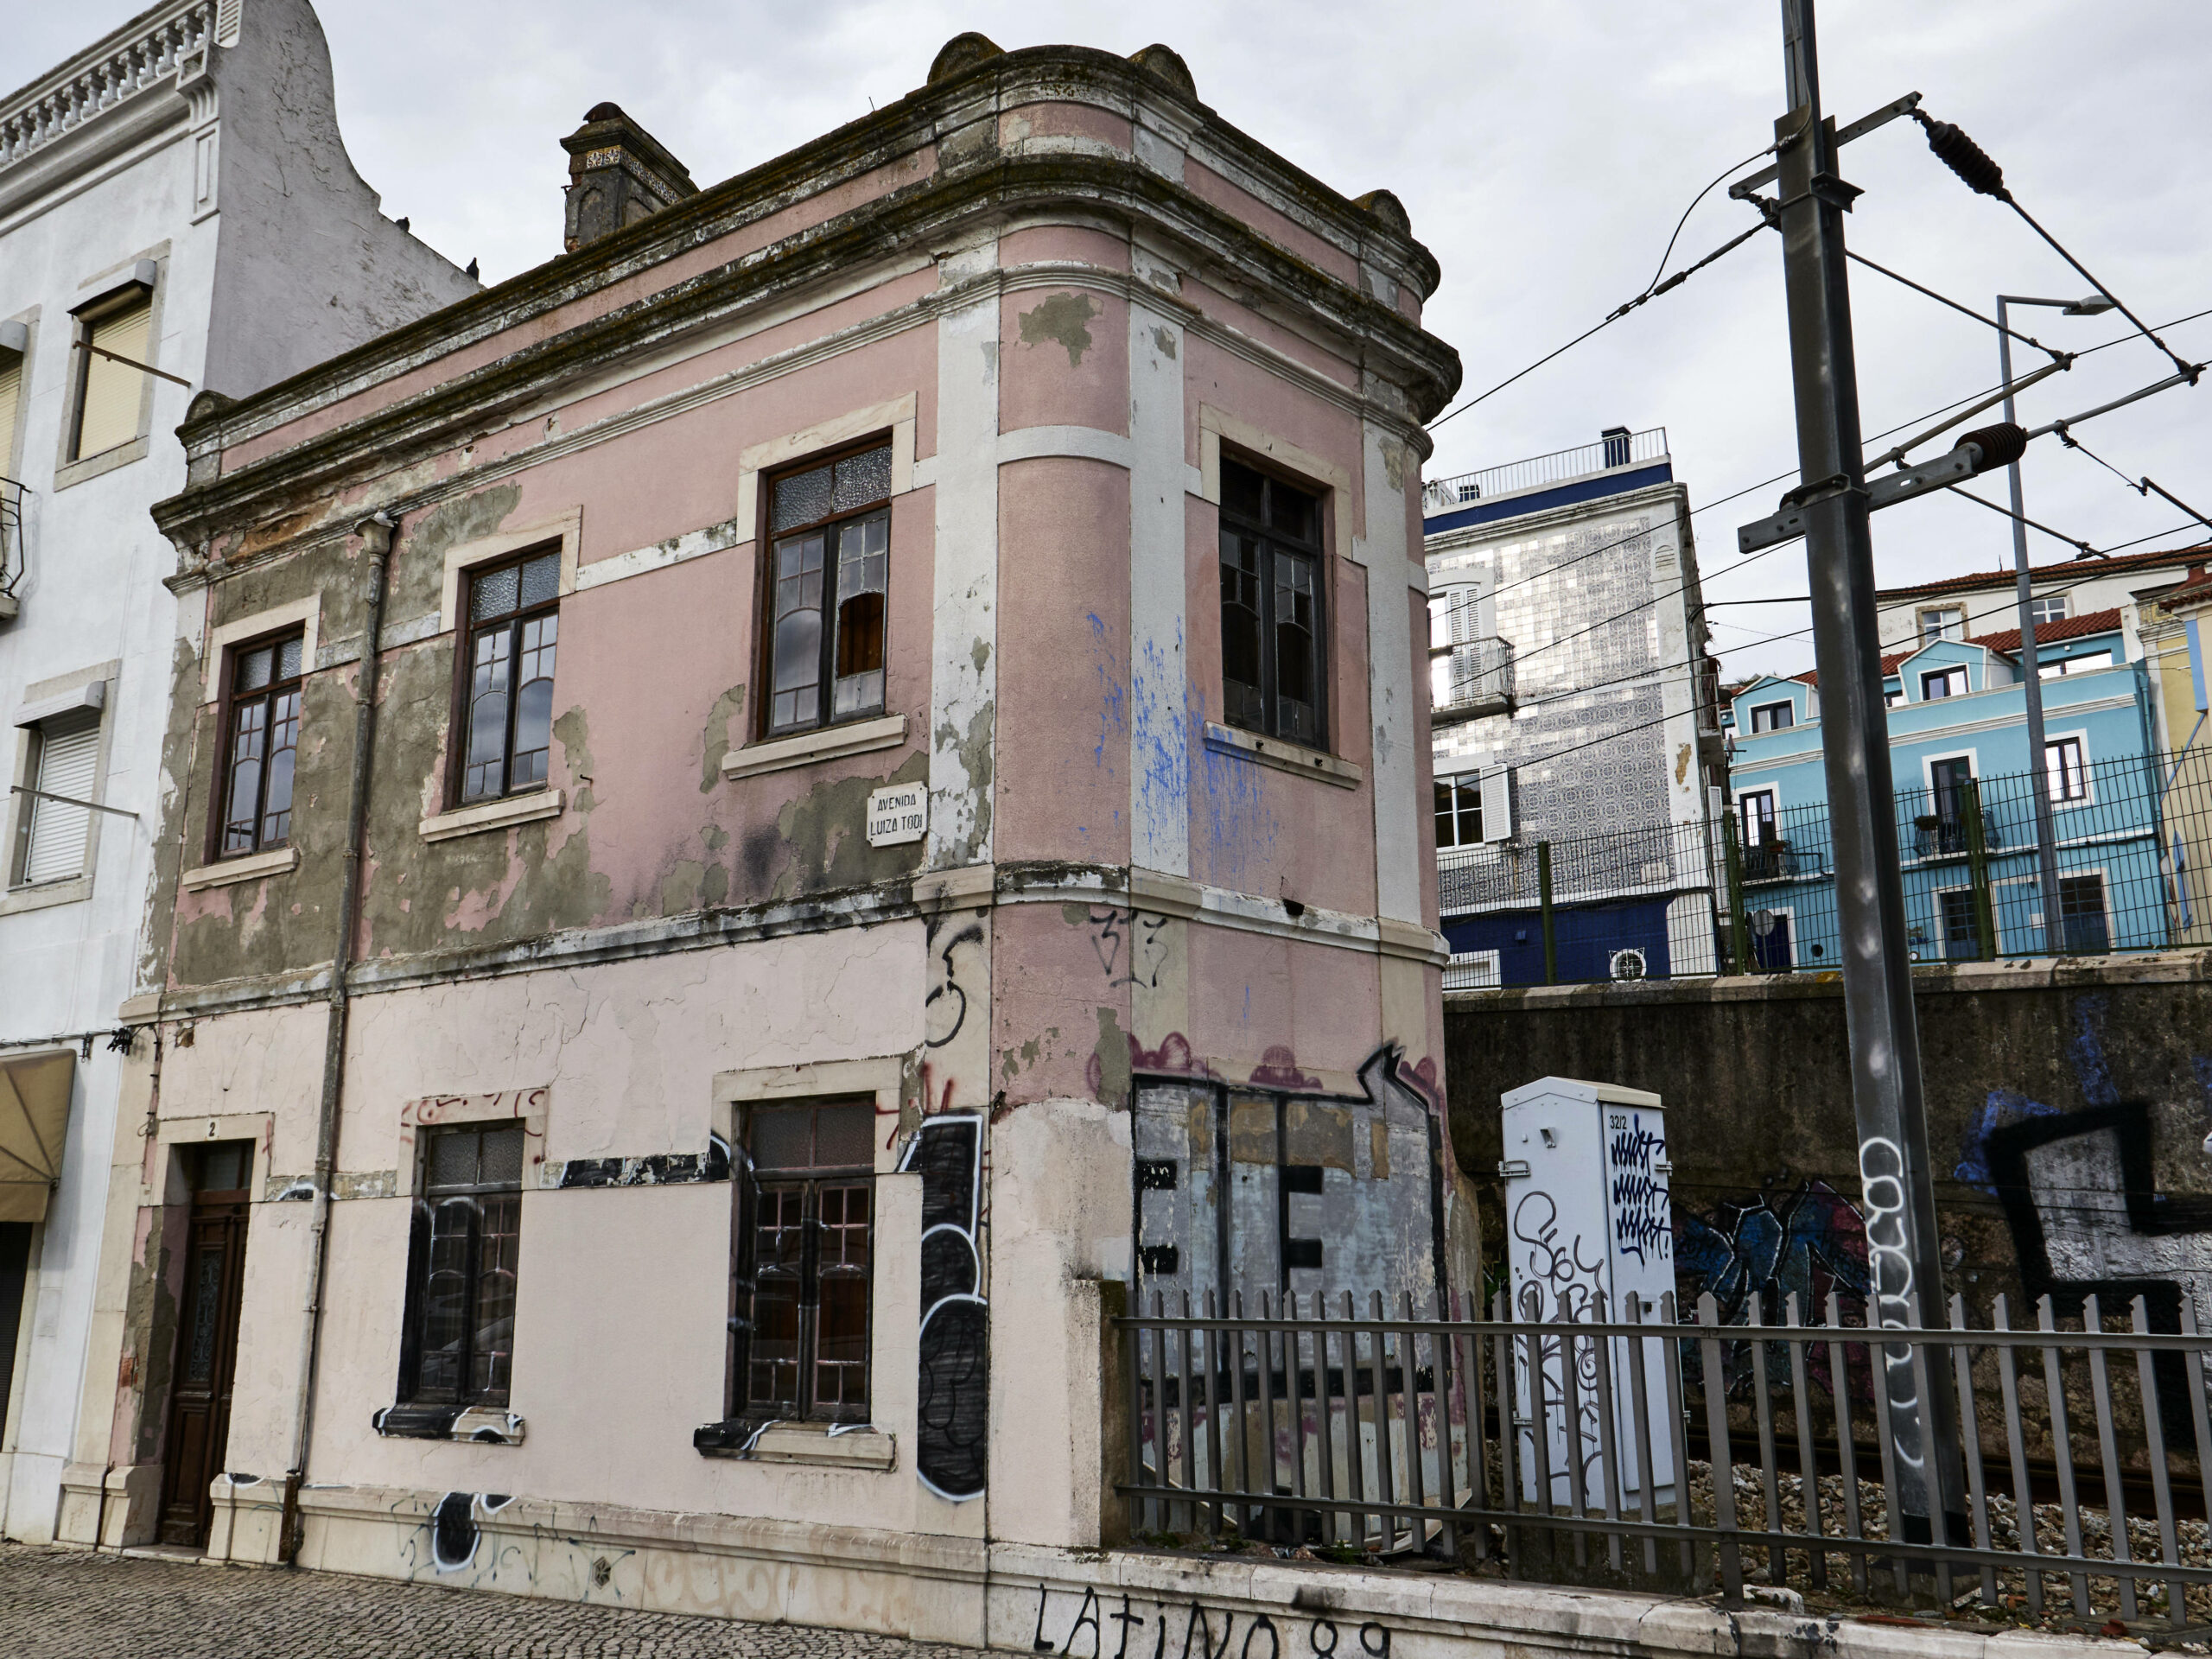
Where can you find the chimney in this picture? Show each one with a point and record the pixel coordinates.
(1616, 439)
(617, 175)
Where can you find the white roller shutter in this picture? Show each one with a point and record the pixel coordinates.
(109, 416)
(55, 846)
(12, 392)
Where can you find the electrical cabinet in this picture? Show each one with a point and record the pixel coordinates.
(1588, 1227)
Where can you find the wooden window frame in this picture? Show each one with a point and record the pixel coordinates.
(226, 705)
(466, 630)
(764, 538)
(1317, 551)
(413, 1393)
(748, 1184)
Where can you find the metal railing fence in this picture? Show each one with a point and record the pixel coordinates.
(1341, 1430)
(1625, 450)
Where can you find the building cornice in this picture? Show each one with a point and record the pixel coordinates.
(1674, 493)
(974, 887)
(942, 116)
(112, 74)
(1391, 348)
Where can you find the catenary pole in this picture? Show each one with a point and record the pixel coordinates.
(1896, 1193)
(2054, 935)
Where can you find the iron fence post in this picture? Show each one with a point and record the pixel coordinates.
(1739, 947)
(1544, 906)
(1985, 913)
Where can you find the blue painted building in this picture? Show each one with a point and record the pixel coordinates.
(1958, 742)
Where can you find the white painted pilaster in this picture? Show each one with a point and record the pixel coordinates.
(963, 681)
(1160, 744)
(1393, 677)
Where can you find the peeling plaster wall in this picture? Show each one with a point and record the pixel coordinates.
(1101, 898)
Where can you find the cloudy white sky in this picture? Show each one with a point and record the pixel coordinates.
(1545, 150)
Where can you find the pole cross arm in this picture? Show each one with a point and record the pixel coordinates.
(1980, 451)
(1742, 189)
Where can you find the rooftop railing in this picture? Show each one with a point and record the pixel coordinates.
(1619, 449)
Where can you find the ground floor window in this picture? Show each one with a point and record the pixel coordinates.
(459, 1347)
(806, 1261)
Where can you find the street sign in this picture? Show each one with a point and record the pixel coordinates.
(898, 814)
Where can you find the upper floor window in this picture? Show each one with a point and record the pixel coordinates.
(109, 391)
(54, 830)
(1772, 717)
(1458, 812)
(1943, 682)
(2047, 607)
(2065, 768)
(805, 1262)
(1945, 622)
(2053, 668)
(459, 1347)
(11, 395)
(261, 739)
(828, 574)
(514, 623)
(1271, 606)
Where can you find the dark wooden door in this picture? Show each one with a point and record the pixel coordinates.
(207, 1355)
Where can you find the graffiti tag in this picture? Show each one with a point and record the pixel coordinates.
(1323, 1635)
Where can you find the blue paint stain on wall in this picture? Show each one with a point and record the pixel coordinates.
(1162, 750)
(2086, 1051)
(2202, 1065)
(1240, 825)
(2002, 1107)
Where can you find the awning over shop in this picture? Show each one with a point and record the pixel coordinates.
(33, 1122)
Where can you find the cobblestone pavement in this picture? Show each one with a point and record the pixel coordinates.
(74, 1604)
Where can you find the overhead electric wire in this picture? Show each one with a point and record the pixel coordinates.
(1982, 174)
(1651, 293)
(1943, 299)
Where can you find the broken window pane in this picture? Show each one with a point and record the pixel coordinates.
(827, 600)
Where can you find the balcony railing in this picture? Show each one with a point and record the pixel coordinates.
(1628, 449)
(1474, 678)
(11, 543)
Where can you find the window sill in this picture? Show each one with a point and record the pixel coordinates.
(861, 1447)
(278, 860)
(494, 814)
(76, 471)
(858, 737)
(477, 1425)
(68, 891)
(1283, 757)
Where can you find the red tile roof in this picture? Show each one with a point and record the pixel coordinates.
(2066, 627)
(2005, 643)
(2191, 591)
(2073, 568)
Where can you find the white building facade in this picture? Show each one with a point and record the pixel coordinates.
(178, 218)
(1573, 706)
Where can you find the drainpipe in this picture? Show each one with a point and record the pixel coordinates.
(375, 533)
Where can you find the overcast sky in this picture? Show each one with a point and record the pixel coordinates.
(1544, 149)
